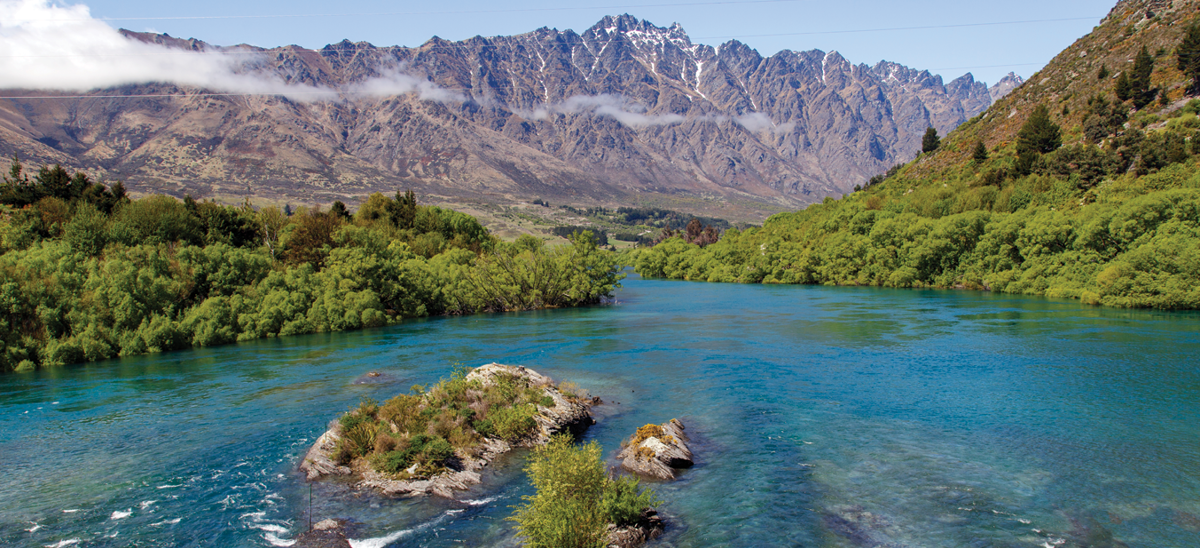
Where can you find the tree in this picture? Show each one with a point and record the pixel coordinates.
(931, 141)
(1139, 81)
(575, 499)
(980, 153)
(1124, 89)
(1188, 55)
(1103, 72)
(406, 211)
(339, 208)
(1038, 135)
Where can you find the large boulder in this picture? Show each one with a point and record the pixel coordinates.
(657, 451)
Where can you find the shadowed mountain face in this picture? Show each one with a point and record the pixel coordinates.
(624, 112)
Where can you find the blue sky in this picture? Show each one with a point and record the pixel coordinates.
(988, 51)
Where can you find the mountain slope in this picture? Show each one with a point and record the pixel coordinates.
(625, 111)
(1063, 188)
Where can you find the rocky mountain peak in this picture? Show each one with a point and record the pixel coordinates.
(624, 109)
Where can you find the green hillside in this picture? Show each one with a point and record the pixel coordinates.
(1082, 183)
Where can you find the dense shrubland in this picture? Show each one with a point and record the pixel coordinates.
(1112, 218)
(87, 273)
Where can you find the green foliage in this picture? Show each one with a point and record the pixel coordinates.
(1188, 55)
(575, 500)
(1139, 81)
(429, 428)
(930, 141)
(1114, 225)
(979, 153)
(1123, 87)
(79, 282)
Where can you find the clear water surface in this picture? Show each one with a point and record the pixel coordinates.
(821, 417)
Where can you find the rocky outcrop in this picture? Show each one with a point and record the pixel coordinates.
(648, 527)
(622, 109)
(657, 451)
(329, 533)
(566, 414)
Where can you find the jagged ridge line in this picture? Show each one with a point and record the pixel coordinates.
(461, 45)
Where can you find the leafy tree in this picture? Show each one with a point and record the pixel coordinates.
(575, 499)
(930, 142)
(312, 237)
(1188, 55)
(271, 222)
(980, 153)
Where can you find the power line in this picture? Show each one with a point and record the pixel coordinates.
(454, 12)
(463, 45)
(891, 29)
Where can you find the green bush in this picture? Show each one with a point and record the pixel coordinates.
(575, 499)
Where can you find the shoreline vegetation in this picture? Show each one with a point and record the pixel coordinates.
(1083, 183)
(86, 273)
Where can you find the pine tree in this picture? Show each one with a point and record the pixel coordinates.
(931, 141)
(1103, 72)
(1039, 134)
(980, 153)
(1139, 81)
(1124, 89)
(1188, 54)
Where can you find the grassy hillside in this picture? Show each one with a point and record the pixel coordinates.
(1099, 201)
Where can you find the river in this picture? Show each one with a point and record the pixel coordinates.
(821, 417)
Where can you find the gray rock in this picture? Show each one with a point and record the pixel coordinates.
(648, 527)
(519, 115)
(658, 456)
(329, 533)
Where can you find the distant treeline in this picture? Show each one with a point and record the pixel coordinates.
(568, 231)
(87, 273)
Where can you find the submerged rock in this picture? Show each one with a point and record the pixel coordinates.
(657, 451)
(648, 527)
(564, 414)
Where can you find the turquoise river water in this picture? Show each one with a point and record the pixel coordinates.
(821, 417)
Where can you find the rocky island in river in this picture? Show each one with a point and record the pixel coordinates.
(436, 441)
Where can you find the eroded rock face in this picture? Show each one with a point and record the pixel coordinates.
(657, 451)
(621, 109)
(565, 414)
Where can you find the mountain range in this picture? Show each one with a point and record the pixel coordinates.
(625, 112)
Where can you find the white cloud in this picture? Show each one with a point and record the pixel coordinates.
(62, 47)
(615, 106)
(395, 82)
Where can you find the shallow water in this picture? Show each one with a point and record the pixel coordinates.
(821, 416)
